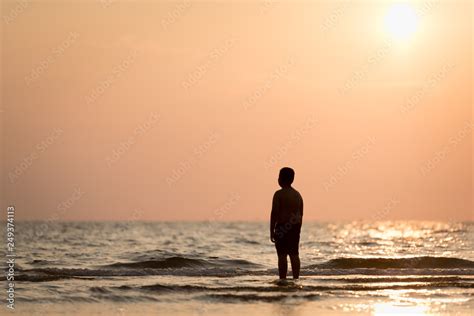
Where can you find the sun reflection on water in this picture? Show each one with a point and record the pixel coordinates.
(393, 238)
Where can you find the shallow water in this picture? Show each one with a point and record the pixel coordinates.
(346, 267)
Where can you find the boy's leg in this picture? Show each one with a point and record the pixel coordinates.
(282, 266)
(295, 266)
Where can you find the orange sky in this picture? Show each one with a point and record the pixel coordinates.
(186, 110)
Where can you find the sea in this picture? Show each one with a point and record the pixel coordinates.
(230, 268)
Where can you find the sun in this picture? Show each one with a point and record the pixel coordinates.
(401, 21)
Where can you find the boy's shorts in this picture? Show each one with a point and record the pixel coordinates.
(287, 238)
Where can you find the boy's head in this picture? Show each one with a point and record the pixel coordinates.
(286, 177)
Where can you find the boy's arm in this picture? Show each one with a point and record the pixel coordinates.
(301, 210)
(273, 217)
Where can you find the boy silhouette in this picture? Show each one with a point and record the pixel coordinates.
(285, 223)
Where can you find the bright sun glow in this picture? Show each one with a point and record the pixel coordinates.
(401, 21)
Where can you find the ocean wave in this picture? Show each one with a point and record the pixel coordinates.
(261, 291)
(53, 274)
(173, 262)
(396, 263)
(159, 288)
(397, 279)
(218, 267)
(40, 262)
(338, 263)
(300, 287)
(228, 297)
(182, 262)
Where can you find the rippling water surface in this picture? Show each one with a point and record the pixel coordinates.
(376, 268)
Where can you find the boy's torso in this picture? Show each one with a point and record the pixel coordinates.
(290, 203)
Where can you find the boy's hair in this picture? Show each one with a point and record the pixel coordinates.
(287, 175)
